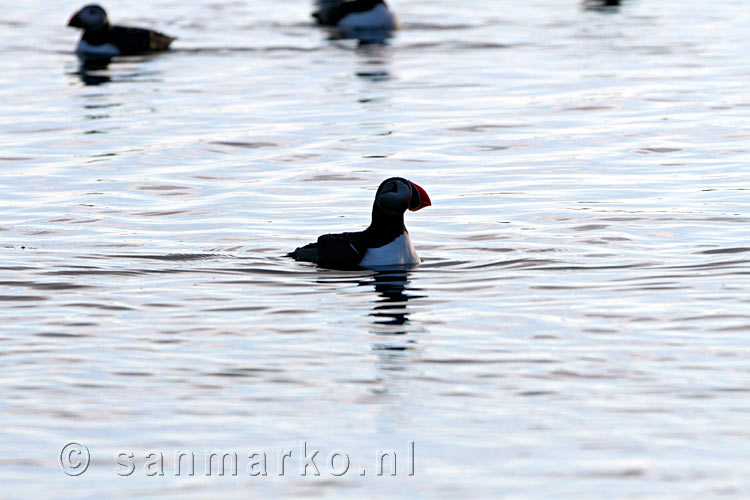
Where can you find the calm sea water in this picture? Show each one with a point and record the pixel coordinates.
(579, 326)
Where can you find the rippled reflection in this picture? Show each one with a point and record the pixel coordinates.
(390, 312)
(97, 71)
(373, 62)
(94, 71)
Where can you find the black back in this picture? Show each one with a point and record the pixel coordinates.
(330, 12)
(130, 41)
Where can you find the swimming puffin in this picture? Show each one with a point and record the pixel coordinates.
(101, 39)
(384, 243)
(355, 14)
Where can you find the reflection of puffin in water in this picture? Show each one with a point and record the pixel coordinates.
(390, 312)
(391, 308)
(92, 71)
(101, 39)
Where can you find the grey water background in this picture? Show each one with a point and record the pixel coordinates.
(579, 326)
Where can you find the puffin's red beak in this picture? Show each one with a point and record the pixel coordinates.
(75, 21)
(424, 199)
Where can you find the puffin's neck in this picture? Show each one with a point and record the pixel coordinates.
(386, 227)
(97, 36)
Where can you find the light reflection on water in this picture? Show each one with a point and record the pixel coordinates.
(578, 325)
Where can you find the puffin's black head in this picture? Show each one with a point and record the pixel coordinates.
(90, 17)
(397, 194)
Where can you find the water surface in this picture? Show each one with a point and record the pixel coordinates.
(578, 328)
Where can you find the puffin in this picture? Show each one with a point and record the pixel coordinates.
(355, 14)
(385, 243)
(102, 40)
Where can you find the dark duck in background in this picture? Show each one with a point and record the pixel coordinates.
(385, 243)
(353, 15)
(102, 40)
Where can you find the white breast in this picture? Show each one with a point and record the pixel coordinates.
(379, 17)
(104, 50)
(399, 252)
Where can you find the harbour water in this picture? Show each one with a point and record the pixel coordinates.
(578, 327)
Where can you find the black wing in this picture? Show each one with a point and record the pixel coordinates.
(334, 251)
(340, 251)
(330, 12)
(132, 41)
(307, 253)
